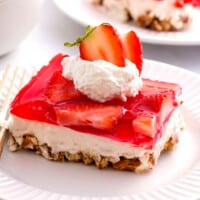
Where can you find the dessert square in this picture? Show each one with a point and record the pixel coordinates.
(96, 108)
(158, 15)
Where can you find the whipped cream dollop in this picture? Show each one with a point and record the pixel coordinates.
(101, 80)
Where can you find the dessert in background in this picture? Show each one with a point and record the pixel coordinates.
(95, 107)
(158, 15)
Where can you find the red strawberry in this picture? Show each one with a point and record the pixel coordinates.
(160, 97)
(34, 110)
(98, 116)
(61, 89)
(160, 86)
(132, 49)
(153, 101)
(195, 3)
(161, 103)
(179, 3)
(145, 124)
(102, 43)
(152, 109)
(154, 104)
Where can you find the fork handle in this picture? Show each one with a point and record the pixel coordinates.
(2, 139)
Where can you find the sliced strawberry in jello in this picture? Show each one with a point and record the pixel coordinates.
(160, 86)
(31, 102)
(36, 87)
(151, 111)
(181, 3)
(38, 110)
(145, 124)
(61, 89)
(99, 116)
(195, 3)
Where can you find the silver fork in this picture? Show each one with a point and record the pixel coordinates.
(11, 81)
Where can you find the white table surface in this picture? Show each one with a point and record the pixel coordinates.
(54, 28)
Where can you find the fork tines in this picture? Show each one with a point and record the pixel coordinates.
(11, 81)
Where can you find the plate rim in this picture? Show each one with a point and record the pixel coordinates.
(176, 186)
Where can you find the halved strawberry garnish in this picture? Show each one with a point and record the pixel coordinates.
(98, 116)
(61, 89)
(101, 42)
(132, 48)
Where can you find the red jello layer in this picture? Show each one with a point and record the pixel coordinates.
(182, 3)
(139, 121)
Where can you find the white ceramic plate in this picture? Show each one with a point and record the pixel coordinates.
(24, 175)
(85, 13)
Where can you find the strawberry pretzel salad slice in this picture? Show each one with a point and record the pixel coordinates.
(96, 108)
(158, 15)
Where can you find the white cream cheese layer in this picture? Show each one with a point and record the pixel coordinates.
(63, 139)
(101, 80)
